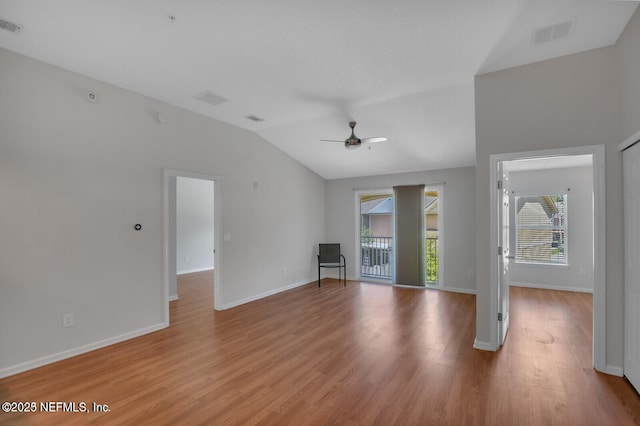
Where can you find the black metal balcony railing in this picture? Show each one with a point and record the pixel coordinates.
(376, 252)
(431, 250)
(376, 257)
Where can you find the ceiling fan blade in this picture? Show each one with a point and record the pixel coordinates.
(374, 140)
(330, 140)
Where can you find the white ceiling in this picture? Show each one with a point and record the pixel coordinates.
(402, 69)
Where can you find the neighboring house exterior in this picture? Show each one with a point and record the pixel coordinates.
(377, 216)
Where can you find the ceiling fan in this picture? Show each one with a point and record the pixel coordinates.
(353, 141)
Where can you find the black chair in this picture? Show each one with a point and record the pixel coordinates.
(329, 256)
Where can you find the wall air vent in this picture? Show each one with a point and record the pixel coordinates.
(254, 118)
(10, 26)
(211, 98)
(553, 32)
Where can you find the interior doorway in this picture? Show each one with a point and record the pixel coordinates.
(192, 218)
(194, 225)
(194, 233)
(535, 228)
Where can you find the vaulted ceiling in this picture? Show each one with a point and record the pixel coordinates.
(402, 69)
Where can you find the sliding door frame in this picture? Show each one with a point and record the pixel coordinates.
(440, 188)
(358, 250)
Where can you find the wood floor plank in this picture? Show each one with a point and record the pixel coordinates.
(361, 355)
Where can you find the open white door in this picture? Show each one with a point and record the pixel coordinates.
(631, 171)
(503, 251)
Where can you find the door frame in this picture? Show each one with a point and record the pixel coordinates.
(599, 242)
(170, 237)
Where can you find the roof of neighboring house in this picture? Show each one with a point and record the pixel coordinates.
(385, 206)
(379, 206)
(543, 201)
(431, 205)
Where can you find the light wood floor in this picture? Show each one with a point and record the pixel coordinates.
(360, 355)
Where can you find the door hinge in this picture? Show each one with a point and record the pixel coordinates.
(499, 184)
(499, 316)
(499, 251)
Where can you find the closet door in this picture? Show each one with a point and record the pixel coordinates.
(631, 191)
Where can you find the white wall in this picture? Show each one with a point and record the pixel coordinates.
(194, 225)
(628, 57)
(564, 102)
(458, 211)
(579, 228)
(76, 176)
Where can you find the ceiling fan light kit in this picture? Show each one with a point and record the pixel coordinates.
(352, 145)
(353, 142)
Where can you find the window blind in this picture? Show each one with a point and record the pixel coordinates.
(409, 235)
(541, 229)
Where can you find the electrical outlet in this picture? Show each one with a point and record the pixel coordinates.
(67, 320)
(284, 270)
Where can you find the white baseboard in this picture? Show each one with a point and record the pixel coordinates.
(265, 294)
(415, 287)
(49, 359)
(552, 287)
(191, 271)
(483, 346)
(459, 290)
(613, 370)
(172, 298)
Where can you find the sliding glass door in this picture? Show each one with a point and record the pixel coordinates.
(376, 241)
(432, 232)
(376, 235)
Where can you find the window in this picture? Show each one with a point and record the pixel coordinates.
(541, 229)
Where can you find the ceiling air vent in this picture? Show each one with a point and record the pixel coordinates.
(554, 32)
(254, 118)
(211, 98)
(10, 26)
